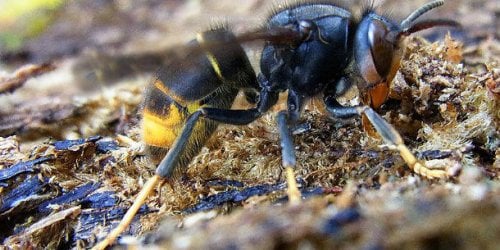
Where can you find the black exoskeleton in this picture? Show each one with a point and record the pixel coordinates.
(311, 50)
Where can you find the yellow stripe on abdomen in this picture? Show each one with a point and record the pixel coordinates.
(160, 85)
(211, 57)
(161, 130)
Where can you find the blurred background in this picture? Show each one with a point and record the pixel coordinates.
(43, 30)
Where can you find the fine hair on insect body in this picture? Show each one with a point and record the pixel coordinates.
(311, 50)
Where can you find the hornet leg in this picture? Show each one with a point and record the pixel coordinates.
(164, 171)
(388, 134)
(240, 117)
(284, 119)
(392, 137)
(288, 157)
(243, 116)
(170, 161)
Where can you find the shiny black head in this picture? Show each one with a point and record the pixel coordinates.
(378, 48)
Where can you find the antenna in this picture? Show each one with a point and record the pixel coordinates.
(420, 11)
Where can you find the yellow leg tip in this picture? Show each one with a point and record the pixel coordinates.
(294, 195)
(420, 169)
(129, 216)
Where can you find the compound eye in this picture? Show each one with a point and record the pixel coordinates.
(377, 57)
(381, 48)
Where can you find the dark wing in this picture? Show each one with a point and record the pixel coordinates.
(103, 68)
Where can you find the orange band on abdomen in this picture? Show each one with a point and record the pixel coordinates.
(161, 131)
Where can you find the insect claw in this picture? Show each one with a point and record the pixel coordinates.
(429, 173)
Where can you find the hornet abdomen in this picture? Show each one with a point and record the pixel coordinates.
(203, 77)
(164, 118)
